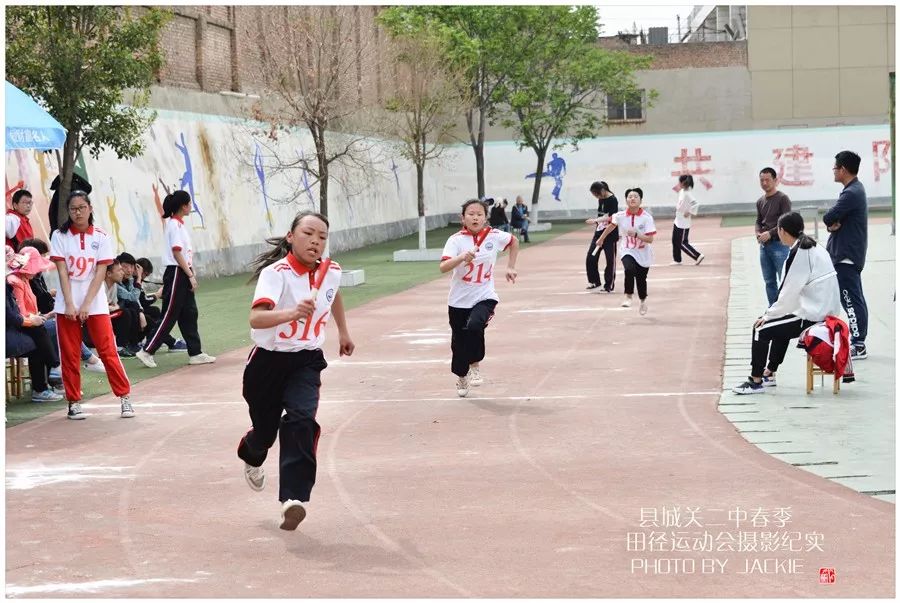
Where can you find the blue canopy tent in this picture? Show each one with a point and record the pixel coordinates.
(28, 126)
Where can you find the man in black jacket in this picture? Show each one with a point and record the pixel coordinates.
(848, 223)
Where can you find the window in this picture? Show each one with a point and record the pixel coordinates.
(629, 109)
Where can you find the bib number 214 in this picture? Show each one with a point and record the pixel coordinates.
(481, 276)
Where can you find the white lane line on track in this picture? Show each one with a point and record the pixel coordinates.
(85, 587)
(446, 399)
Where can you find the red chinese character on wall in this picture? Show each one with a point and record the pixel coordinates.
(881, 157)
(793, 166)
(698, 157)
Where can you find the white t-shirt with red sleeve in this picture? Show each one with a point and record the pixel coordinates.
(177, 239)
(285, 284)
(474, 282)
(642, 222)
(84, 253)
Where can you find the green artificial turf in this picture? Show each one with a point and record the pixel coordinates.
(224, 307)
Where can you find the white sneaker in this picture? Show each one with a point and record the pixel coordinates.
(48, 395)
(627, 302)
(97, 367)
(475, 377)
(75, 412)
(146, 358)
(700, 259)
(127, 410)
(673, 263)
(201, 358)
(462, 387)
(255, 476)
(292, 513)
(769, 381)
(643, 309)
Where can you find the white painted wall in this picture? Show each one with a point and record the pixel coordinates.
(237, 216)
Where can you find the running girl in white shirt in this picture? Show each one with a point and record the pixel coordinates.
(636, 232)
(282, 375)
(179, 283)
(686, 207)
(471, 254)
(81, 252)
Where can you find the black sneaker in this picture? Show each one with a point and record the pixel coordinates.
(858, 352)
(749, 387)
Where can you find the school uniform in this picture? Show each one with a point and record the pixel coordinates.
(179, 305)
(282, 375)
(606, 208)
(84, 253)
(637, 256)
(809, 292)
(681, 228)
(18, 229)
(472, 297)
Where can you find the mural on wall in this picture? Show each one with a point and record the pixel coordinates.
(226, 179)
(261, 174)
(556, 169)
(111, 203)
(187, 179)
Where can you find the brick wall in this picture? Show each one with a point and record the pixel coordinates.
(214, 48)
(682, 56)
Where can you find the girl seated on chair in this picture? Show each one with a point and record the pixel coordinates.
(808, 293)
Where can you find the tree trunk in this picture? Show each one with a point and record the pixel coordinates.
(420, 191)
(322, 160)
(536, 193)
(65, 180)
(479, 161)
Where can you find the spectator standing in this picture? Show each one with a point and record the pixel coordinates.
(772, 252)
(848, 225)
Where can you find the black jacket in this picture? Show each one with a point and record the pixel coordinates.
(609, 207)
(849, 242)
(18, 343)
(498, 216)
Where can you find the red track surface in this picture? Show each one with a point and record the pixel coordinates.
(529, 487)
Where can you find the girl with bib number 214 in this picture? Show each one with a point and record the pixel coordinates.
(471, 255)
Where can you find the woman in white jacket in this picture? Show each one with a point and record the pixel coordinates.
(685, 208)
(808, 293)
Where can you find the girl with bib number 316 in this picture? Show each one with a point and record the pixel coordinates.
(296, 293)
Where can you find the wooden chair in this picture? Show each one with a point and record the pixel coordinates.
(15, 377)
(812, 370)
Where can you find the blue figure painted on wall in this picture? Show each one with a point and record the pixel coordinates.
(261, 174)
(187, 179)
(556, 169)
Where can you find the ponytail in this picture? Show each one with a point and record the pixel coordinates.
(792, 223)
(280, 246)
(174, 202)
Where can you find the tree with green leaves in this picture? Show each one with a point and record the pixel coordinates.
(78, 61)
(555, 91)
(483, 40)
(425, 102)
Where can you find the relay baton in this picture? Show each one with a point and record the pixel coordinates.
(320, 277)
(596, 250)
